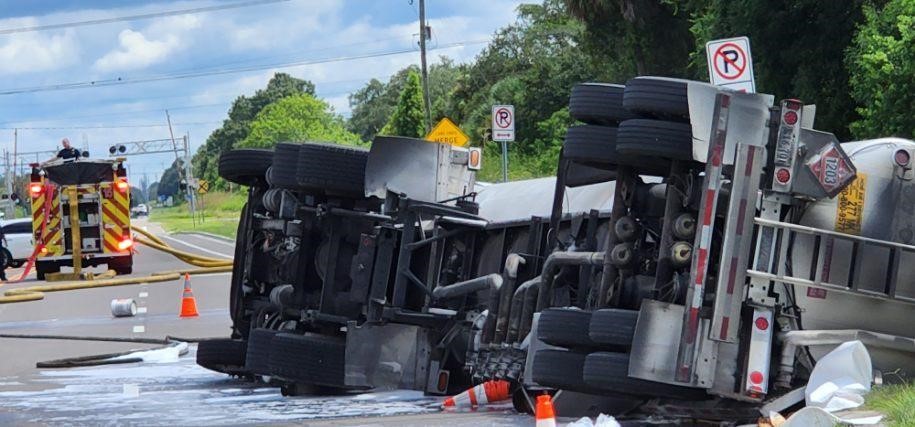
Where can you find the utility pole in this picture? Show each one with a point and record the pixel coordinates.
(182, 171)
(424, 32)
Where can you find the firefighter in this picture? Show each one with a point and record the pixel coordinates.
(3, 257)
(67, 152)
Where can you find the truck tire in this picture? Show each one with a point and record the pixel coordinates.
(332, 169)
(578, 175)
(658, 97)
(282, 173)
(257, 359)
(121, 265)
(308, 359)
(597, 146)
(43, 268)
(613, 327)
(598, 104)
(222, 355)
(565, 327)
(560, 369)
(245, 166)
(236, 304)
(591, 145)
(609, 373)
(655, 138)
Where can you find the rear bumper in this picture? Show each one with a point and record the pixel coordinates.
(91, 257)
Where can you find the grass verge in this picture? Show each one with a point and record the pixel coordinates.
(897, 402)
(218, 214)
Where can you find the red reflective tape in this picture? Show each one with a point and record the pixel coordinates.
(701, 260)
(693, 324)
(742, 213)
(719, 147)
(732, 276)
(749, 167)
(725, 101)
(707, 212)
(724, 327)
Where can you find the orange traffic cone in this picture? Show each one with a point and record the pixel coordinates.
(188, 302)
(545, 415)
(481, 394)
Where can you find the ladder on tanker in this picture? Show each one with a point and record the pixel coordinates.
(884, 255)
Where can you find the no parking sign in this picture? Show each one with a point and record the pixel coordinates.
(730, 64)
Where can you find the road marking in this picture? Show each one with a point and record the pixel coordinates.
(200, 248)
(141, 310)
(213, 239)
(143, 294)
(139, 329)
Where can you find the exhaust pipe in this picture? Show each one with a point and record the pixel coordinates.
(490, 281)
(554, 262)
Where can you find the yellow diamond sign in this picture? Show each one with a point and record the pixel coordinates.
(447, 132)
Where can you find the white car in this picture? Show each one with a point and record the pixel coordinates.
(19, 240)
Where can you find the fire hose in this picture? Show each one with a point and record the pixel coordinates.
(205, 265)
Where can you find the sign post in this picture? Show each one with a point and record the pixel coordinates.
(730, 64)
(503, 130)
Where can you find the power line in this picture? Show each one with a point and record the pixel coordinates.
(123, 80)
(137, 17)
(150, 125)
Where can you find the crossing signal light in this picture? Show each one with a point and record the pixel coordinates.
(117, 149)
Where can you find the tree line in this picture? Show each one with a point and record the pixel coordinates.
(855, 59)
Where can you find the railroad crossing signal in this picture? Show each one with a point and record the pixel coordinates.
(447, 132)
(203, 186)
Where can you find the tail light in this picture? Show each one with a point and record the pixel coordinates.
(125, 244)
(35, 188)
(122, 185)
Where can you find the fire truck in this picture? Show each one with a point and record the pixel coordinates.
(81, 215)
(696, 244)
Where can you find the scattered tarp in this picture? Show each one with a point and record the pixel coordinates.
(838, 383)
(601, 421)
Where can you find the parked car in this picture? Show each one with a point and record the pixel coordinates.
(139, 210)
(19, 240)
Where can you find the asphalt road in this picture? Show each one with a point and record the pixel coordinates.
(168, 390)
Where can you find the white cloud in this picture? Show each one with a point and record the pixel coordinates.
(35, 51)
(136, 51)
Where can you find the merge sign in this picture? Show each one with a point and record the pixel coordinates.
(445, 131)
(503, 123)
(730, 64)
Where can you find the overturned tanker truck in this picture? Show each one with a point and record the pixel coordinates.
(696, 245)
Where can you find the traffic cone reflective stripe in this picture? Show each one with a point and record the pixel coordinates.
(188, 302)
(481, 394)
(545, 415)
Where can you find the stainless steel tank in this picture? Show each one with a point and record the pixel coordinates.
(879, 204)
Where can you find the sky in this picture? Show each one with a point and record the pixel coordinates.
(245, 45)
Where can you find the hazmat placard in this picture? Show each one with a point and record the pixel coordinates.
(850, 206)
(730, 64)
(445, 131)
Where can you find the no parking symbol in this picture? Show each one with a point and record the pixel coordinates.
(730, 64)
